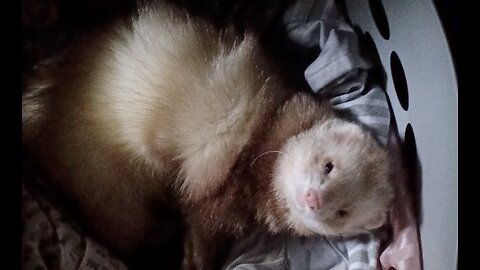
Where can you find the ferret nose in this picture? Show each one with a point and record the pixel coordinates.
(313, 200)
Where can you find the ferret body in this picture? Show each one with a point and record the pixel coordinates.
(167, 109)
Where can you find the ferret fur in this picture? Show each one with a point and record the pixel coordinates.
(165, 108)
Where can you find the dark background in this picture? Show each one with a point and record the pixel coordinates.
(449, 13)
(50, 25)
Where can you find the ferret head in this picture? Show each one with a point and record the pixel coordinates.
(334, 179)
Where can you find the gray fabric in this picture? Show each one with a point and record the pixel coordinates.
(366, 104)
(51, 241)
(340, 71)
(261, 251)
(340, 74)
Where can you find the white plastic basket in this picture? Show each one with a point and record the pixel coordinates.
(422, 88)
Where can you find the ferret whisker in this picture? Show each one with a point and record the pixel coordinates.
(264, 153)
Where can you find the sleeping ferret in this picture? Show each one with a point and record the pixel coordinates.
(164, 109)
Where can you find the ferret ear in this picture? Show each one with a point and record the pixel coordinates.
(346, 130)
(376, 222)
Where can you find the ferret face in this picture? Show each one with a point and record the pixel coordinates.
(334, 179)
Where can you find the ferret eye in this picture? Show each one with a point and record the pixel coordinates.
(328, 167)
(341, 213)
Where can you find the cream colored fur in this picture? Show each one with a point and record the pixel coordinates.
(163, 92)
(358, 183)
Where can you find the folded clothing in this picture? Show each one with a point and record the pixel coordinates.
(340, 71)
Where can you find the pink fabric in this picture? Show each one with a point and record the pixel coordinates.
(403, 252)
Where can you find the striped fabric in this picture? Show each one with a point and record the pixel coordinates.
(367, 106)
(263, 251)
(362, 252)
(340, 72)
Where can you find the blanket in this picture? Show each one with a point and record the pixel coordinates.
(51, 240)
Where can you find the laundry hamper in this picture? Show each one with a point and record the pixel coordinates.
(422, 88)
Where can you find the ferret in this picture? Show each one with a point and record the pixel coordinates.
(165, 108)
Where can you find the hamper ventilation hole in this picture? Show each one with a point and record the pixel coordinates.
(410, 144)
(414, 183)
(380, 18)
(399, 80)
